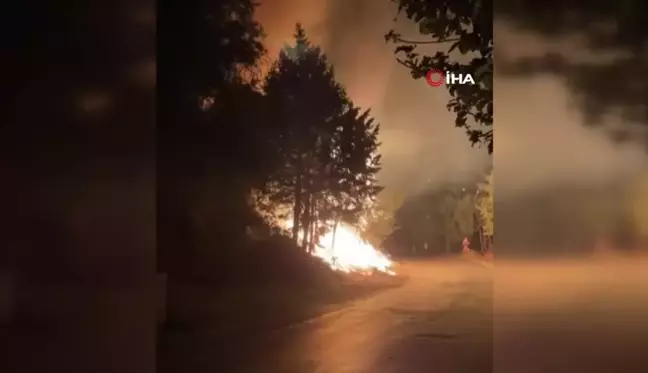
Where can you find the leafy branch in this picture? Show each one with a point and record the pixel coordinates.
(467, 25)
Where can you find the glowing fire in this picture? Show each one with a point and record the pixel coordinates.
(344, 250)
(349, 253)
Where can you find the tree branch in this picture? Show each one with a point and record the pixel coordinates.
(403, 63)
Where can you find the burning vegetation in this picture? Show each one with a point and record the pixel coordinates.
(343, 249)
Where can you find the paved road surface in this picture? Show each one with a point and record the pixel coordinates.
(439, 321)
(532, 317)
(458, 317)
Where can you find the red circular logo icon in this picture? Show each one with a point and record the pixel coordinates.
(435, 77)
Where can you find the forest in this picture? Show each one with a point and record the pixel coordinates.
(277, 155)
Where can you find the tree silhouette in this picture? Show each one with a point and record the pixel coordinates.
(462, 29)
(327, 146)
(210, 146)
(433, 222)
(304, 98)
(356, 165)
(485, 207)
(381, 220)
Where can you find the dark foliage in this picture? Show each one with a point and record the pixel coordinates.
(460, 29)
(434, 222)
(327, 146)
(224, 139)
(209, 148)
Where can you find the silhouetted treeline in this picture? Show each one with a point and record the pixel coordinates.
(206, 152)
(435, 222)
(243, 156)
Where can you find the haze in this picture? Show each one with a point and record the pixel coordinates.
(421, 147)
(542, 140)
(542, 144)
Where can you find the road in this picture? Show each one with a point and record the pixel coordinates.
(439, 321)
(450, 316)
(457, 316)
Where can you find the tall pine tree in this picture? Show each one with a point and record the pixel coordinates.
(327, 147)
(305, 99)
(356, 166)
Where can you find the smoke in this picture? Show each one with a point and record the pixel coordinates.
(542, 136)
(542, 142)
(561, 183)
(420, 145)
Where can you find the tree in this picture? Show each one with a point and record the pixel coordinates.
(357, 163)
(485, 207)
(466, 27)
(457, 211)
(210, 146)
(305, 98)
(464, 215)
(327, 146)
(382, 218)
(433, 221)
(417, 228)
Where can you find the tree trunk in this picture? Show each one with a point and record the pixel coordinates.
(306, 223)
(482, 241)
(313, 224)
(313, 230)
(297, 209)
